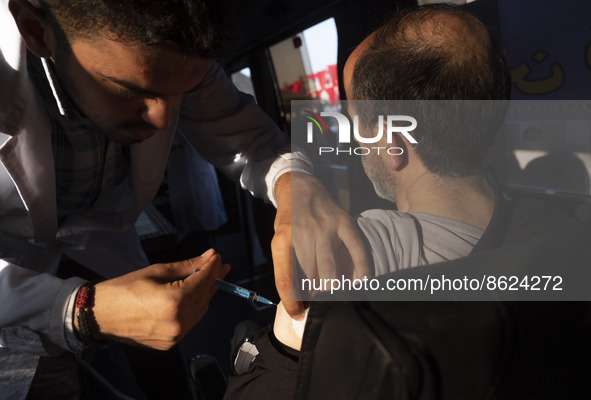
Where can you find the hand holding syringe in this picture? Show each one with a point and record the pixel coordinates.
(240, 291)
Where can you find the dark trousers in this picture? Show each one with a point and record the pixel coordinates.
(56, 378)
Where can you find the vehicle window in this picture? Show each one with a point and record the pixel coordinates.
(306, 68)
(306, 65)
(243, 81)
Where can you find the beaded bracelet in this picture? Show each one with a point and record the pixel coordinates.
(88, 328)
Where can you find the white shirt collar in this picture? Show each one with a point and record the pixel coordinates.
(55, 87)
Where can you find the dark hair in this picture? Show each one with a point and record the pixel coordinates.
(439, 52)
(192, 27)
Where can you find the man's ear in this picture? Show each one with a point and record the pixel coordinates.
(33, 25)
(396, 156)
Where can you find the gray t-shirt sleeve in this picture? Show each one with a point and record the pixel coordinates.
(400, 240)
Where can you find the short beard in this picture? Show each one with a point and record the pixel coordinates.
(383, 183)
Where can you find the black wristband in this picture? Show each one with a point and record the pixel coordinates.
(88, 329)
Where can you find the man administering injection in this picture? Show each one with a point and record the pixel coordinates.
(93, 92)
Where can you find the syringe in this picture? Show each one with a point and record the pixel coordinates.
(241, 292)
